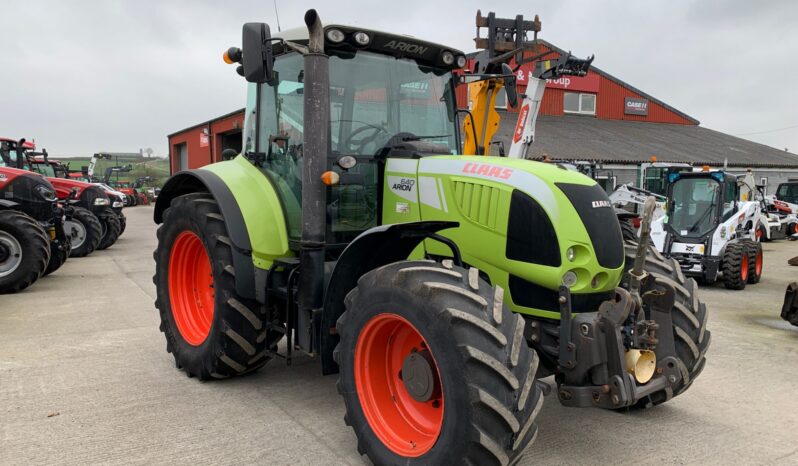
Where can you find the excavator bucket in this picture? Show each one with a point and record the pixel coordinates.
(789, 311)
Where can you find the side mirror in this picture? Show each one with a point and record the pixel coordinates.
(256, 52)
(509, 85)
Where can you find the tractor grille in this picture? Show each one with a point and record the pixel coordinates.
(528, 294)
(22, 190)
(89, 195)
(600, 220)
(477, 202)
(530, 235)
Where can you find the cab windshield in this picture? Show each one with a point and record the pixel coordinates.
(694, 204)
(44, 169)
(788, 192)
(376, 102)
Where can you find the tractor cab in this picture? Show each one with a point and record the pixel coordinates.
(654, 176)
(389, 96)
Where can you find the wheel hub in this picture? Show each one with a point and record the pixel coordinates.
(76, 233)
(419, 377)
(5, 252)
(10, 254)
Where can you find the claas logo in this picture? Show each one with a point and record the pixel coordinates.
(488, 170)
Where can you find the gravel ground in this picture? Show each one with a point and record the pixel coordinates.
(85, 378)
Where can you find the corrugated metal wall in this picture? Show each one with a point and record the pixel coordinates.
(610, 106)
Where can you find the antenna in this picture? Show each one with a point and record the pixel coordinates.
(277, 15)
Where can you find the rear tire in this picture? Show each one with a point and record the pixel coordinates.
(24, 251)
(755, 262)
(735, 266)
(210, 329)
(689, 317)
(484, 370)
(84, 231)
(761, 233)
(111, 230)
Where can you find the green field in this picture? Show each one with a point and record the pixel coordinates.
(156, 168)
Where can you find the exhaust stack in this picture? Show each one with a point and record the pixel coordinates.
(314, 192)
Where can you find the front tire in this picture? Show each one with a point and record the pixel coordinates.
(210, 329)
(111, 230)
(84, 231)
(58, 256)
(24, 251)
(122, 223)
(689, 317)
(471, 398)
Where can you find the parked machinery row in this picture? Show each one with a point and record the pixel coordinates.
(45, 219)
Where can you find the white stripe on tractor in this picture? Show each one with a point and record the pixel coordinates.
(402, 166)
(443, 195)
(428, 192)
(517, 178)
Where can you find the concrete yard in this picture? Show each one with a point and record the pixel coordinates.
(85, 379)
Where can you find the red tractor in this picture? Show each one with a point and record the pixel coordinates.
(33, 242)
(59, 173)
(91, 222)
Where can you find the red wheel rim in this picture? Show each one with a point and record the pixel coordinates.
(758, 265)
(191, 292)
(406, 426)
(744, 267)
(759, 234)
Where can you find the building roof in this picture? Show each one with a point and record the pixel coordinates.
(622, 141)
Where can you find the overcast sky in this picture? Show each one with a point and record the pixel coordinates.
(84, 76)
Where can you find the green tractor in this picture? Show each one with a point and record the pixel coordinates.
(440, 288)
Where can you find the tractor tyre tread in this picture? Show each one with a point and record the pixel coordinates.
(94, 231)
(492, 370)
(58, 256)
(238, 342)
(113, 229)
(628, 230)
(35, 245)
(689, 318)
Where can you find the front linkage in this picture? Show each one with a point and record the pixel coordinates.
(606, 358)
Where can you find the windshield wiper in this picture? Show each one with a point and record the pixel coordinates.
(701, 219)
(417, 138)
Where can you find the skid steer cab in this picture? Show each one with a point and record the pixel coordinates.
(438, 286)
(709, 230)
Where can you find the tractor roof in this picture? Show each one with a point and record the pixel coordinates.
(398, 45)
(26, 145)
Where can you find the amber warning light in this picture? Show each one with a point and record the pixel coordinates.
(232, 55)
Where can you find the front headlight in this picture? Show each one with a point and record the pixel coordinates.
(117, 205)
(102, 201)
(46, 193)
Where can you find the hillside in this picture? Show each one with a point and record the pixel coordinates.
(157, 168)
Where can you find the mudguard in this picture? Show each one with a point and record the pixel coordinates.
(252, 212)
(367, 252)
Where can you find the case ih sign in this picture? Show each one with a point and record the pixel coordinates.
(635, 106)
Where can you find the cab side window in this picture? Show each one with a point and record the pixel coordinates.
(730, 199)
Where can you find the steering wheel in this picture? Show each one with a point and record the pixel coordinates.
(359, 143)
